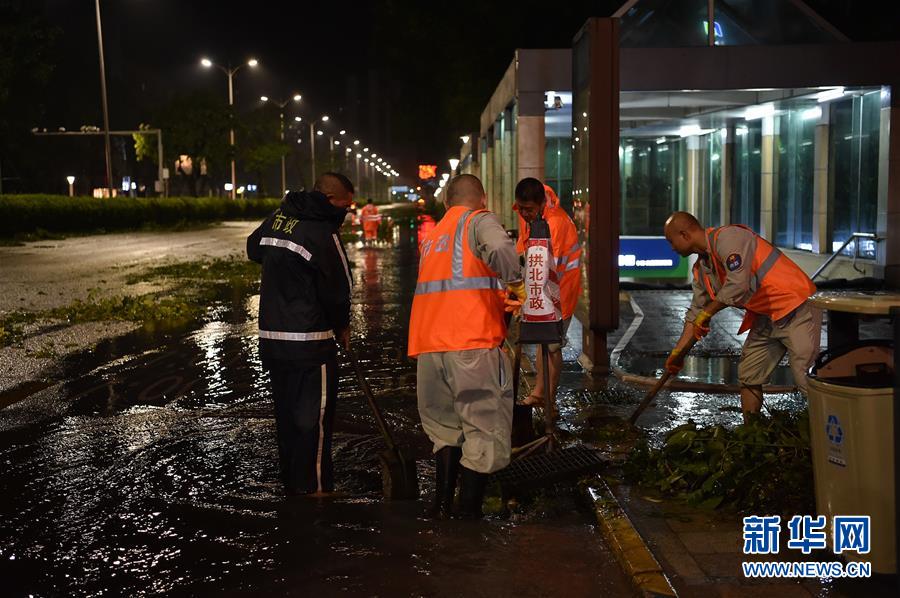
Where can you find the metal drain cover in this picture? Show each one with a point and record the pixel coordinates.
(544, 469)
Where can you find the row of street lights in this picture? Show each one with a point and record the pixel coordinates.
(381, 166)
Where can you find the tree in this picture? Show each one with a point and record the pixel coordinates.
(196, 126)
(259, 144)
(26, 64)
(145, 145)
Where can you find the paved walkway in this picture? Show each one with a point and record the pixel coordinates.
(699, 550)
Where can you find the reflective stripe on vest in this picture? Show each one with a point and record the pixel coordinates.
(284, 243)
(458, 281)
(296, 336)
(469, 317)
(776, 287)
(756, 278)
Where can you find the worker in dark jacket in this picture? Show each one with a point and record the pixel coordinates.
(304, 306)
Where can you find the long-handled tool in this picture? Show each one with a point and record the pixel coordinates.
(651, 394)
(522, 425)
(398, 467)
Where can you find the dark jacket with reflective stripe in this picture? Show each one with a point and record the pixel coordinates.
(305, 288)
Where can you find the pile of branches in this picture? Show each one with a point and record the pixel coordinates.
(762, 466)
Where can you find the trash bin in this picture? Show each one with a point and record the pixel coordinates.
(851, 425)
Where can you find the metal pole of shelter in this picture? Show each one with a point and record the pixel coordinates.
(711, 22)
(602, 85)
(106, 142)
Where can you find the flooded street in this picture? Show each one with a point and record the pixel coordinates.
(152, 468)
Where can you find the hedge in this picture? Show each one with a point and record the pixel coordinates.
(23, 214)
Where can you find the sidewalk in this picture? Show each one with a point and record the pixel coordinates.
(700, 551)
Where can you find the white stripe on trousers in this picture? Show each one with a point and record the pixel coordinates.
(322, 403)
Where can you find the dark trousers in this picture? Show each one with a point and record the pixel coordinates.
(305, 399)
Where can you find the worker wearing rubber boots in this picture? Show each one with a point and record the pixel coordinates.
(534, 198)
(738, 268)
(456, 330)
(370, 221)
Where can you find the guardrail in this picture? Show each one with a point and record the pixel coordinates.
(851, 238)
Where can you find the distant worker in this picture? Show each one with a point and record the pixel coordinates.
(534, 198)
(304, 306)
(370, 221)
(738, 268)
(456, 329)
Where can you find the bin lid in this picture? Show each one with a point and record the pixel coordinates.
(865, 364)
(860, 302)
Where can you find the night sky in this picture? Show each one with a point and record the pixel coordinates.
(406, 77)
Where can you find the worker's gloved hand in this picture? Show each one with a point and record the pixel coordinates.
(517, 289)
(512, 305)
(675, 361)
(701, 324)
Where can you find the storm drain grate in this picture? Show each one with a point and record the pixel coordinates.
(544, 469)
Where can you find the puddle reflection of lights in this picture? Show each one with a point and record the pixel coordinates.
(209, 339)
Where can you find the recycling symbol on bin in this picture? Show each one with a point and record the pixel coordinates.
(834, 430)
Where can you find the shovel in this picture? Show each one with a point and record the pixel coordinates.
(398, 467)
(651, 394)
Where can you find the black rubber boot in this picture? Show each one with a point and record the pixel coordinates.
(471, 493)
(446, 468)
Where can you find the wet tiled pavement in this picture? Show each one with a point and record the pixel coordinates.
(700, 550)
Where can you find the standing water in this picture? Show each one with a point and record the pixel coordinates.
(153, 468)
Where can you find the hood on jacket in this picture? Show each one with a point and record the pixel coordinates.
(312, 205)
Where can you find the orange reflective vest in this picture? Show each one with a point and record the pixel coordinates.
(566, 251)
(777, 284)
(370, 214)
(458, 303)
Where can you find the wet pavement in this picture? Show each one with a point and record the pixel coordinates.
(152, 468)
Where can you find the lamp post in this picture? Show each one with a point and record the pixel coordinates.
(297, 97)
(71, 180)
(312, 144)
(454, 162)
(106, 143)
(229, 72)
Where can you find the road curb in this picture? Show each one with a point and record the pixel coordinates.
(629, 548)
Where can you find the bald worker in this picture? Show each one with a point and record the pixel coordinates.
(456, 329)
(738, 268)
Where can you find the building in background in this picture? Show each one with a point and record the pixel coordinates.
(525, 130)
(773, 119)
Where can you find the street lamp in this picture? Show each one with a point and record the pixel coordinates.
(312, 144)
(106, 142)
(71, 181)
(229, 72)
(454, 162)
(297, 97)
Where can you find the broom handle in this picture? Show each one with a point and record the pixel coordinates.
(379, 418)
(656, 388)
(649, 397)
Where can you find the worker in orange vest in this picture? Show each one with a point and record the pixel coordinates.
(738, 268)
(533, 198)
(370, 221)
(464, 380)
